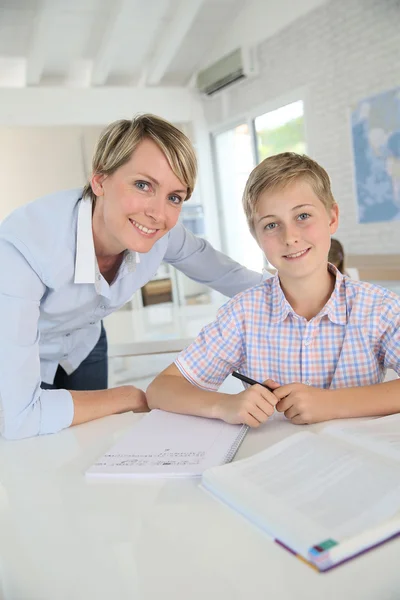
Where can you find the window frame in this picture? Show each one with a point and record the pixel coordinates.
(248, 118)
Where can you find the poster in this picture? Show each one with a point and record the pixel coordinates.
(375, 124)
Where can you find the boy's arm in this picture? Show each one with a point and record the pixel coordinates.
(368, 401)
(171, 391)
(304, 404)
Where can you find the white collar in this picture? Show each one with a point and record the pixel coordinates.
(86, 267)
(85, 259)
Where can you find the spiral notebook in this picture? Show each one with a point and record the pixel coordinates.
(164, 444)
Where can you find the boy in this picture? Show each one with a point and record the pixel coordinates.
(321, 341)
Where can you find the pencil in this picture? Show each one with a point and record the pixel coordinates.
(249, 380)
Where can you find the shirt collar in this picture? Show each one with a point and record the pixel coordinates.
(85, 258)
(334, 309)
(86, 267)
(280, 306)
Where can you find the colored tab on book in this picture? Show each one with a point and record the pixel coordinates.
(323, 547)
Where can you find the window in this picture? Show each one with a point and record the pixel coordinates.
(237, 151)
(235, 160)
(280, 130)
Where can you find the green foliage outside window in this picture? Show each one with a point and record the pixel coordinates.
(286, 138)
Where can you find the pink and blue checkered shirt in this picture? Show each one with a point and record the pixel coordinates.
(351, 342)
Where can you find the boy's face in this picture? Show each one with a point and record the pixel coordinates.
(293, 228)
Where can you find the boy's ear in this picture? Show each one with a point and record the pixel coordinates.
(334, 220)
(97, 183)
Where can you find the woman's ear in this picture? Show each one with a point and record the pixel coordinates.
(334, 220)
(97, 183)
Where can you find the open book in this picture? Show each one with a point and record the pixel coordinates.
(326, 497)
(164, 444)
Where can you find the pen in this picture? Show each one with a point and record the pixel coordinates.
(249, 380)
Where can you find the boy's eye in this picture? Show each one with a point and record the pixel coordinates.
(142, 185)
(176, 199)
(270, 226)
(303, 216)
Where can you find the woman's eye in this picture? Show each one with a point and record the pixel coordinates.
(303, 216)
(176, 199)
(142, 185)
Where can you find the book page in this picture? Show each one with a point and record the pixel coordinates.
(309, 488)
(380, 435)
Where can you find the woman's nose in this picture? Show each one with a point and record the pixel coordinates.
(155, 208)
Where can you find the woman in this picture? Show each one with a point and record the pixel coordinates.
(71, 258)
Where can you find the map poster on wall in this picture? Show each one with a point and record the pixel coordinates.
(375, 124)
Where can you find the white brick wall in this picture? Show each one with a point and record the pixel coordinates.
(341, 52)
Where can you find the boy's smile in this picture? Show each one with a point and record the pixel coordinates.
(297, 255)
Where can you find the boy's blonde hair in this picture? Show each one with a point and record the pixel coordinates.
(280, 170)
(120, 139)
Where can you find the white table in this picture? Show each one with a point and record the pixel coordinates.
(62, 538)
(156, 329)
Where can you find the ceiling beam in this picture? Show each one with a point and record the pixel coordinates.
(171, 39)
(43, 25)
(122, 13)
(38, 106)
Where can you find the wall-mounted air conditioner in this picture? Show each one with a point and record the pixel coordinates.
(233, 67)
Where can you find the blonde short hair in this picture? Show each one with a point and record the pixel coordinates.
(278, 171)
(120, 139)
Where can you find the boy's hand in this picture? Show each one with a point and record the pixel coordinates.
(251, 407)
(302, 403)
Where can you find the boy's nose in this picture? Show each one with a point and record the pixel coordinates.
(290, 236)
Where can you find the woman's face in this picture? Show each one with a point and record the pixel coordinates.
(138, 204)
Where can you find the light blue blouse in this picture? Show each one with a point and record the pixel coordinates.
(53, 297)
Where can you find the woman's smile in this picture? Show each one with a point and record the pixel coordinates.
(143, 230)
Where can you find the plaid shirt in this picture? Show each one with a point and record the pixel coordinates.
(351, 342)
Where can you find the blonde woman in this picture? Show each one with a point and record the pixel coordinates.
(71, 258)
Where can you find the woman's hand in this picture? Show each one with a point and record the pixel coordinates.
(138, 399)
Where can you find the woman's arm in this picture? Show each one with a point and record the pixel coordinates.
(196, 258)
(96, 404)
(25, 408)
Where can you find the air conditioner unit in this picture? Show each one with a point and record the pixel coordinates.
(231, 68)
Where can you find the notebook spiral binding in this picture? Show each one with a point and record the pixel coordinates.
(235, 447)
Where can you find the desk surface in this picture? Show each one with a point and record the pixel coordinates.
(156, 329)
(63, 538)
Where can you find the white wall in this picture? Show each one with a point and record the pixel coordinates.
(258, 20)
(35, 161)
(340, 53)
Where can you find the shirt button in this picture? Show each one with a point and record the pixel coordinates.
(307, 341)
(308, 382)
(67, 334)
(92, 323)
(102, 306)
(65, 355)
(98, 277)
